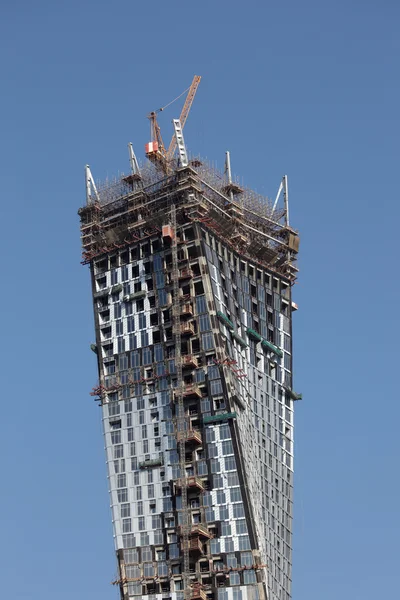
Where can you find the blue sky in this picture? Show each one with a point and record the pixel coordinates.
(306, 88)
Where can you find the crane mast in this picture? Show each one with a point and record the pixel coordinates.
(155, 149)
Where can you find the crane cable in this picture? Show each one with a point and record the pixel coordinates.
(174, 100)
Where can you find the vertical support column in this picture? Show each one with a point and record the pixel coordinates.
(90, 186)
(180, 425)
(181, 143)
(228, 172)
(133, 160)
(286, 198)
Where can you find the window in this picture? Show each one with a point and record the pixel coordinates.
(215, 387)
(147, 355)
(144, 338)
(234, 578)
(119, 327)
(223, 513)
(212, 451)
(121, 480)
(231, 560)
(241, 526)
(124, 273)
(140, 508)
(162, 569)
(119, 451)
(221, 497)
(233, 479)
(122, 495)
(215, 546)
(116, 437)
(207, 341)
(218, 565)
(210, 515)
(142, 321)
(156, 522)
(244, 542)
(114, 276)
(249, 577)
(173, 551)
(227, 447)
(210, 434)
(201, 304)
(150, 491)
(126, 525)
(128, 540)
(121, 344)
(238, 510)
(236, 495)
(229, 547)
(230, 464)
(158, 353)
(204, 322)
(213, 372)
(226, 529)
(117, 311)
(202, 467)
(215, 466)
(148, 570)
(237, 594)
(224, 432)
(218, 482)
(131, 556)
(144, 539)
(130, 322)
(141, 524)
(113, 409)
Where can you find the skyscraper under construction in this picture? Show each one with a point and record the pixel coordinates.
(191, 276)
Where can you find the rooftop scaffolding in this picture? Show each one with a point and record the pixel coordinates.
(123, 212)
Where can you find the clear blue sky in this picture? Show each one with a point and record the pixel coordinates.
(306, 88)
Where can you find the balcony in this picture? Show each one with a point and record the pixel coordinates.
(218, 418)
(148, 464)
(197, 594)
(292, 395)
(195, 545)
(189, 362)
(254, 335)
(185, 274)
(135, 296)
(200, 530)
(224, 319)
(271, 347)
(187, 310)
(193, 436)
(192, 391)
(192, 482)
(187, 329)
(197, 529)
(239, 340)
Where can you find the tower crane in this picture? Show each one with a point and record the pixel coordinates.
(155, 150)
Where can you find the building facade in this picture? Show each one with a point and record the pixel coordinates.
(192, 281)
